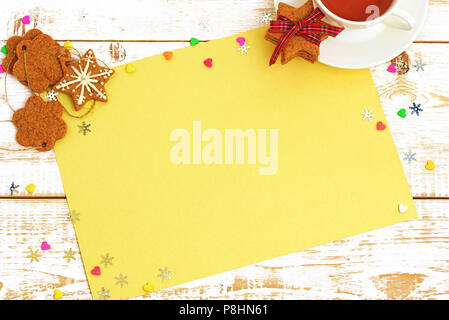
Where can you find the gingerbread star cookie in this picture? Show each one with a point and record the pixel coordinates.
(39, 124)
(297, 46)
(84, 80)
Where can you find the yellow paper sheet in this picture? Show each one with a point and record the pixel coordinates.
(336, 175)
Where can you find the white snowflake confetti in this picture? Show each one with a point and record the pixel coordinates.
(410, 156)
(367, 114)
(266, 17)
(419, 65)
(121, 280)
(52, 95)
(106, 260)
(243, 49)
(104, 294)
(164, 274)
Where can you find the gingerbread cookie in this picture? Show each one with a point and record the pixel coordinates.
(84, 80)
(40, 62)
(297, 46)
(39, 124)
(11, 58)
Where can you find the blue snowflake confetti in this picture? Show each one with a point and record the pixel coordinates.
(84, 128)
(416, 109)
(13, 188)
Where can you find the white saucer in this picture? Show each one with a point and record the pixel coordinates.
(364, 48)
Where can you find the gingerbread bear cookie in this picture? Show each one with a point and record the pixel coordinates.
(40, 62)
(11, 58)
(39, 124)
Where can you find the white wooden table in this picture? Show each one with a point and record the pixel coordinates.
(405, 261)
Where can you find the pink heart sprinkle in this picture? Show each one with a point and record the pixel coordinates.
(45, 246)
(1, 69)
(241, 41)
(381, 126)
(208, 63)
(26, 20)
(96, 271)
(392, 68)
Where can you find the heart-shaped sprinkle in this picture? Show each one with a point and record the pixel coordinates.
(430, 165)
(26, 20)
(402, 208)
(381, 126)
(392, 68)
(58, 294)
(30, 188)
(1, 69)
(402, 113)
(194, 41)
(241, 40)
(4, 50)
(148, 287)
(68, 45)
(96, 271)
(167, 55)
(45, 246)
(208, 63)
(130, 68)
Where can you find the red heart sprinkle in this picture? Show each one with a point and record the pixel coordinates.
(96, 271)
(208, 63)
(381, 126)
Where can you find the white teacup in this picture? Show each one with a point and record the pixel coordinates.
(403, 20)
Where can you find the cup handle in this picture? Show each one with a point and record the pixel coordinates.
(407, 18)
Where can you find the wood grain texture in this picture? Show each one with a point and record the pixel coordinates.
(405, 261)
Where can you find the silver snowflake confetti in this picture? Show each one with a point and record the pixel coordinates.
(419, 65)
(121, 280)
(410, 156)
(243, 49)
(266, 18)
(84, 128)
(416, 109)
(106, 260)
(52, 95)
(104, 294)
(367, 114)
(164, 274)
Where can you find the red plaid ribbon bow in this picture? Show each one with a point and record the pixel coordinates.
(310, 28)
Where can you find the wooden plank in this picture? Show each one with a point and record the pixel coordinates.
(161, 19)
(405, 261)
(427, 135)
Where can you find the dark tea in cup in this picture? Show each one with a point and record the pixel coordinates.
(358, 10)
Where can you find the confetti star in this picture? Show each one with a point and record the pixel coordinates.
(367, 114)
(266, 17)
(106, 260)
(34, 256)
(416, 108)
(419, 65)
(74, 216)
(104, 294)
(121, 280)
(243, 49)
(164, 274)
(52, 95)
(69, 255)
(409, 156)
(84, 128)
